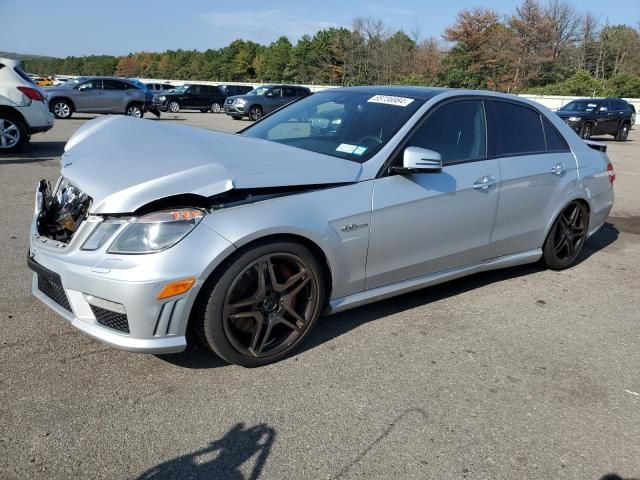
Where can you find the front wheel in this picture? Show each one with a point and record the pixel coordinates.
(585, 131)
(173, 107)
(567, 237)
(623, 133)
(215, 107)
(61, 109)
(134, 110)
(255, 113)
(264, 304)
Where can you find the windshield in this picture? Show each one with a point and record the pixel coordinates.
(581, 106)
(258, 91)
(349, 125)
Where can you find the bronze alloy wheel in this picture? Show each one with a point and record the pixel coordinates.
(263, 303)
(270, 304)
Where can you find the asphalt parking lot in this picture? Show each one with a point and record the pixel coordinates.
(520, 373)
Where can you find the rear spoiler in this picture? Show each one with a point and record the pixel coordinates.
(601, 147)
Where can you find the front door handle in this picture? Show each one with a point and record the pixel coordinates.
(558, 169)
(484, 183)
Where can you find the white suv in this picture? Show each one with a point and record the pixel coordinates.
(23, 107)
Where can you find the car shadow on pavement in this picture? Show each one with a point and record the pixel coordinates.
(222, 458)
(199, 357)
(35, 152)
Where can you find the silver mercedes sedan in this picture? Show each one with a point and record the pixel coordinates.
(342, 198)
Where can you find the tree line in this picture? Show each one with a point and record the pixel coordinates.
(545, 48)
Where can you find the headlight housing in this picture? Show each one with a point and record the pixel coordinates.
(574, 119)
(162, 98)
(240, 101)
(147, 234)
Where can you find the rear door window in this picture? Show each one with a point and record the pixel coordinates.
(555, 140)
(114, 85)
(456, 130)
(514, 130)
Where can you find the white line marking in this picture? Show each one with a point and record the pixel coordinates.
(633, 393)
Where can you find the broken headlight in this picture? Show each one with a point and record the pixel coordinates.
(156, 231)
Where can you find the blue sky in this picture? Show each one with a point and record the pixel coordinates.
(71, 27)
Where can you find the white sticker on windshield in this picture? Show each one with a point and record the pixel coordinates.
(390, 100)
(359, 150)
(592, 105)
(345, 148)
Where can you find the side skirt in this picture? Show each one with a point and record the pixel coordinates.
(386, 291)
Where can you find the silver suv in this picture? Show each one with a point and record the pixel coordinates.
(97, 95)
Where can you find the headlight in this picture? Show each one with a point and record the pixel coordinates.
(147, 234)
(240, 101)
(574, 119)
(162, 98)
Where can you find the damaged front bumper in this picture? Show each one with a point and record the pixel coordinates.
(113, 297)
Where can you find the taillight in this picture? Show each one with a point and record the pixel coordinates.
(32, 93)
(611, 172)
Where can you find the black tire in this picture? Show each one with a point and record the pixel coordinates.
(622, 133)
(586, 131)
(227, 323)
(566, 237)
(215, 107)
(255, 113)
(61, 108)
(13, 132)
(135, 110)
(173, 106)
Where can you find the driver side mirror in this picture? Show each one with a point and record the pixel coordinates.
(420, 160)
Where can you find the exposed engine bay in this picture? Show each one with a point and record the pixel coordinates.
(61, 211)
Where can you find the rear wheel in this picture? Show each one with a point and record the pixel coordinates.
(567, 236)
(13, 133)
(255, 113)
(586, 130)
(61, 108)
(173, 107)
(264, 304)
(623, 132)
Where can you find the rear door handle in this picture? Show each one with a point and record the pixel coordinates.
(484, 183)
(557, 169)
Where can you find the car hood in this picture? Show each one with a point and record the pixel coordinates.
(124, 163)
(566, 114)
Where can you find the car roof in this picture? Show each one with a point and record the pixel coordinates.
(10, 62)
(423, 93)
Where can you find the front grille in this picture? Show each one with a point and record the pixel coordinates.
(52, 288)
(108, 318)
